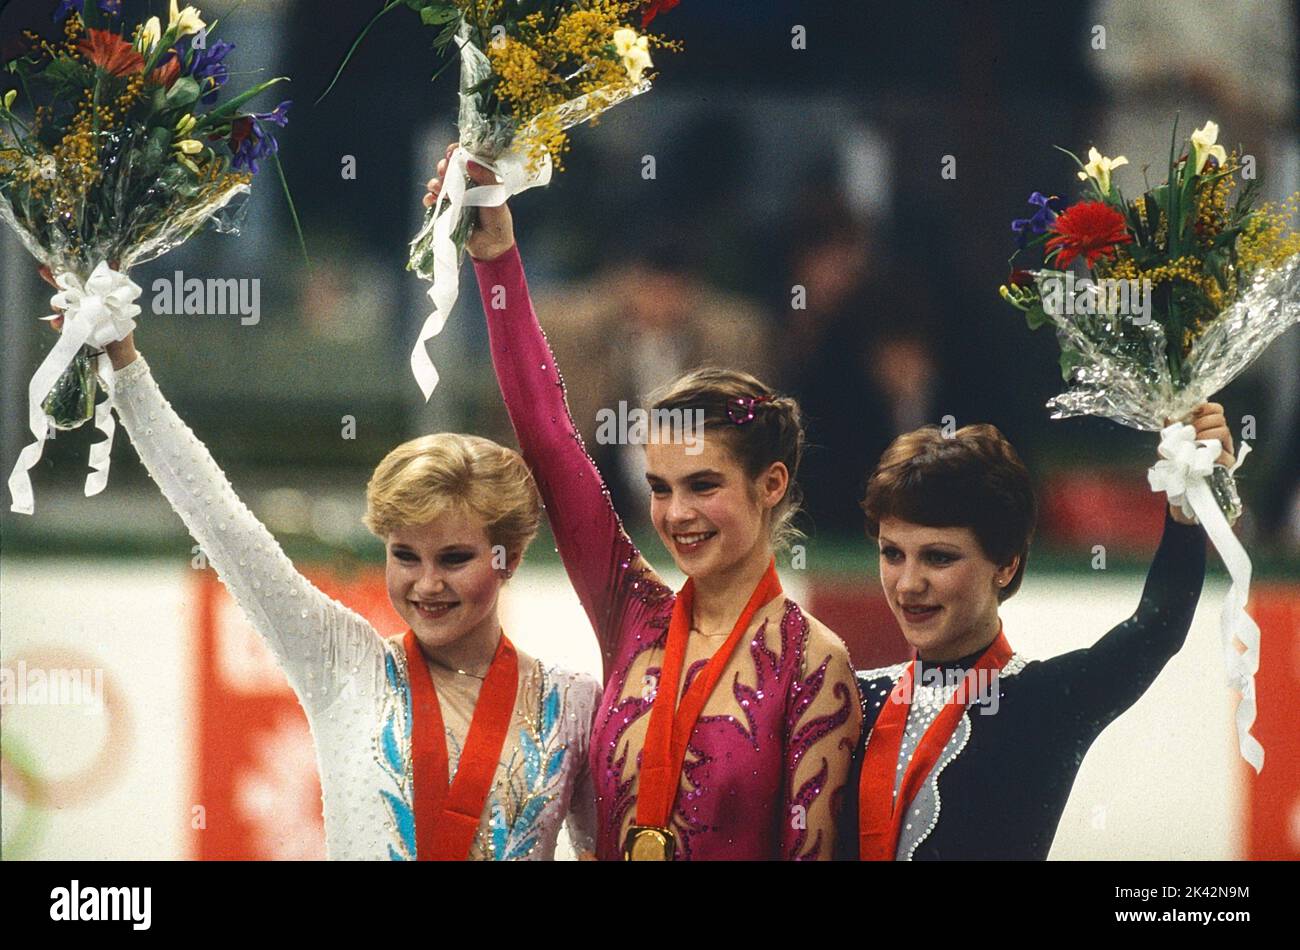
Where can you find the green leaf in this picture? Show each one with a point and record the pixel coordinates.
(1069, 360)
(1185, 202)
(157, 146)
(293, 211)
(432, 16)
(1154, 203)
(1172, 193)
(229, 108)
(183, 93)
(65, 77)
(1036, 316)
(347, 57)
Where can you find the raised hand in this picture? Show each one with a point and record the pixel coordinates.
(119, 354)
(493, 233)
(1209, 421)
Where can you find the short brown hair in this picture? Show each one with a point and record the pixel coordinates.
(421, 479)
(972, 479)
(775, 434)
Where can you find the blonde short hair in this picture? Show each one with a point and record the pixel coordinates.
(425, 477)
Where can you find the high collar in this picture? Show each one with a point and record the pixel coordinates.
(962, 662)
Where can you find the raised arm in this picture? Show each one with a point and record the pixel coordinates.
(1104, 680)
(1107, 678)
(612, 580)
(602, 562)
(316, 640)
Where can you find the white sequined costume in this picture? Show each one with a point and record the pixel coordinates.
(353, 684)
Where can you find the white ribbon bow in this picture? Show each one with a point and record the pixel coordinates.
(98, 312)
(456, 195)
(1182, 472)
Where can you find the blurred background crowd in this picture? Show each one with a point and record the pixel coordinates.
(795, 224)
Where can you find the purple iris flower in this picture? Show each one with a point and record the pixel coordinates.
(208, 67)
(1040, 220)
(251, 142)
(279, 115)
(111, 7)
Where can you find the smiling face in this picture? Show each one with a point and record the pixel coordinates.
(941, 586)
(442, 580)
(710, 515)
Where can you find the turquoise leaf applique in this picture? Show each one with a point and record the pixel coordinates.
(555, 764)
(404, 819)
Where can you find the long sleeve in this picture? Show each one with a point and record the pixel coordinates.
(319, 643)
(1102, 681)
(603, 564)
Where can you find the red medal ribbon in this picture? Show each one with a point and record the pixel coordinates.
(880, 811)
(447, 814)
(670, 728)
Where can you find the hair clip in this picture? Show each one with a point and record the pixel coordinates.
(741, 409)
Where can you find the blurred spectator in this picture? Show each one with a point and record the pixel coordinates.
(859, 356)
(634, 326)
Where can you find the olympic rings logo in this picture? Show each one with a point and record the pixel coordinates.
(19, 765)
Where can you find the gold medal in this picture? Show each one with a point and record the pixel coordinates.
(646, 843)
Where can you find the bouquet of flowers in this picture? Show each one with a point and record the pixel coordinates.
(529, 71)
(1187, 285)
(124, 154)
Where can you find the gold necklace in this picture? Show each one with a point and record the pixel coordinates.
(455, 670)
(707, 636)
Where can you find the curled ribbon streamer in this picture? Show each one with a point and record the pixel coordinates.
(455, 197)
(98, 312)
(1182, 472)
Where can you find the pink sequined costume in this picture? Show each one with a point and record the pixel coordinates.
(768, 760)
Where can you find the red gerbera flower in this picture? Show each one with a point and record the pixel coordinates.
(167, 73)
(654, 8)
(111, 53)
(1091, 228)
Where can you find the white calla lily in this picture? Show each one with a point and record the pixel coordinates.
(184, 22)
(634, 51)
(1204, 147)
(1099, 168)
(149, 36)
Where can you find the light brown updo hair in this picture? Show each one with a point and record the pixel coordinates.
(973, 479)
(774, 434)
(421, 479)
